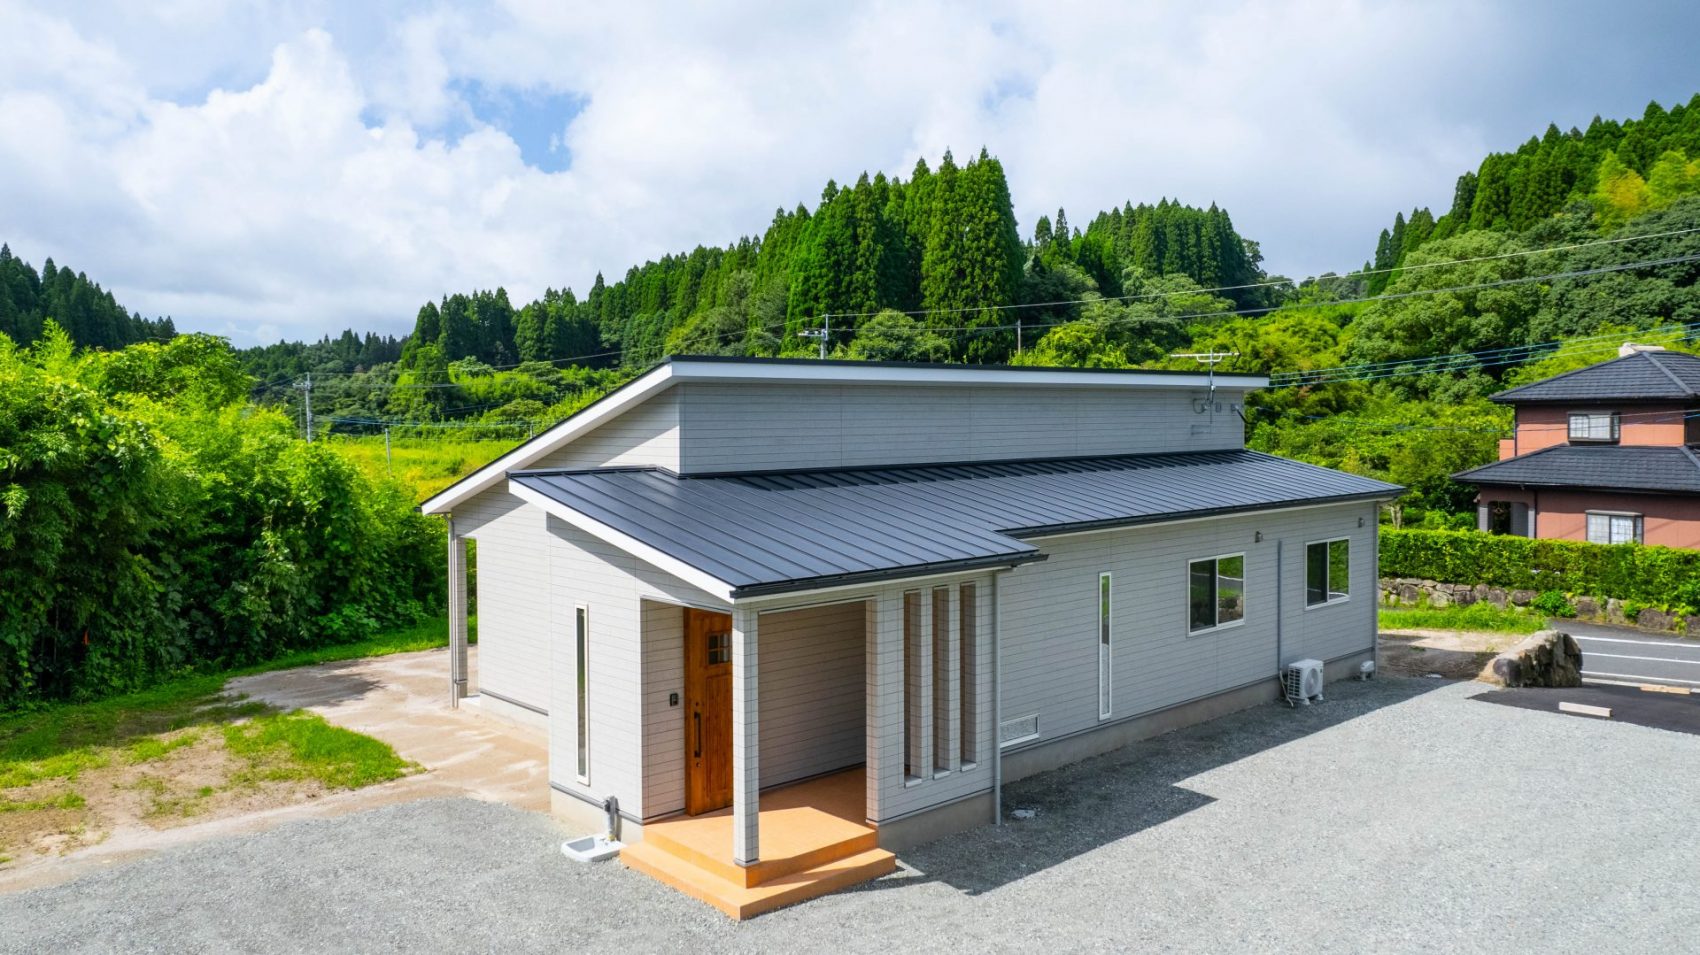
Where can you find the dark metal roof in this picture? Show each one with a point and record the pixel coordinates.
(1604, 466)
(1642, 376)
(771, 533)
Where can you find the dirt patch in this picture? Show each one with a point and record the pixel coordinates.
(1450, 654)
(138, 807)
(174, 780)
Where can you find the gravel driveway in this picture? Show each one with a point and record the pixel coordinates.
(1398, 816)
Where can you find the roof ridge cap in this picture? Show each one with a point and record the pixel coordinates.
(1652, 357)
(1689, 453)
(1566, 374)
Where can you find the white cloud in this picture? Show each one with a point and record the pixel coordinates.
(303, 167)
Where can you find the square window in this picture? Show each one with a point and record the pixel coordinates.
(719, 648)
(1215, 592)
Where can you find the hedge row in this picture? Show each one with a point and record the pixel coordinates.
(1657, 576)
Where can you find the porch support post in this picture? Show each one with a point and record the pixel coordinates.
(746, 773)
(457, 617)
(885, 698)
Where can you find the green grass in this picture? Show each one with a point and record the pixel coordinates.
(301, 745)
(149, 748)
(60, 740)
(1477, 616)
(67, 801)
(428, 465)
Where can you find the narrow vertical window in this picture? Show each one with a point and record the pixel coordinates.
(941, 679)
(968, 620)
(911, 691)
(584, 695)
(1103, 646)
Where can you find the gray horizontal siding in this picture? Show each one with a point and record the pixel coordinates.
(767, 426)
(663, 723)
(1050, 615)
(645, 436)
(513, 595)
(614, 586)
(811, 691)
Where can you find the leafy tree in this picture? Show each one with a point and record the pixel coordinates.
(894, 336)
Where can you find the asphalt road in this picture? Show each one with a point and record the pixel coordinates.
(1626, 655)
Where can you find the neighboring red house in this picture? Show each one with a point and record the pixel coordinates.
(1605, 453)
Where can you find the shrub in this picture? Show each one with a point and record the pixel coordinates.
(1655, 576)
(153, 523)
(1553, 604)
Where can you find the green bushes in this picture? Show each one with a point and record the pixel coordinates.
(153, 523)
(1656, 576)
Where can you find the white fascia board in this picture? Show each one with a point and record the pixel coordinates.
(708, 583)
(615, 404)
(952, 375)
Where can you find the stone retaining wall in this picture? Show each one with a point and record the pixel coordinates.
(1409, 591)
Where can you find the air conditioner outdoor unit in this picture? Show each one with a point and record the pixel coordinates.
(1302, 681)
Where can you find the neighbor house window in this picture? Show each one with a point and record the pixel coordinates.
(1593, 426)
(1216, 592)
(1327, 572)
(1103, 646)
(1606, 528)
(583, 695)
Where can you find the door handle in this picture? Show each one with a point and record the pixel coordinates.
(698, 718)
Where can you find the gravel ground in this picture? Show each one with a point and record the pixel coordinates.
(1398, 816)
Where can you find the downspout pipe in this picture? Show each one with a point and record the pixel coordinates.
(997, 704)
(1280, 585)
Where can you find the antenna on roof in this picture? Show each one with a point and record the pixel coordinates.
(1212, 359)
(820, 333)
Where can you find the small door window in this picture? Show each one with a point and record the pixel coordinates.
(719, 648)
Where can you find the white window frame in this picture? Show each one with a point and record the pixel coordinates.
(1106, 645)
(1639, 523)
(581, 689)
(1244, 569)
(1614, 422)
(1331, 601)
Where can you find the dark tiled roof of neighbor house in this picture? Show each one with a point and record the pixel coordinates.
(770, 533)
(1642, 376)
(1671, 470)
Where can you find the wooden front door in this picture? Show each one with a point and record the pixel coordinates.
(708, 711)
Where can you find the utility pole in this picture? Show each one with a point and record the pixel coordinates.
(389, 462)
(307, 387)
(821, 333)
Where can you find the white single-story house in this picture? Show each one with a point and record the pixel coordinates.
(782, 617)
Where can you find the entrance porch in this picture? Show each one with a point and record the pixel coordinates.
(814, 840)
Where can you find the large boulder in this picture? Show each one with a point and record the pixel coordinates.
(1547, 658)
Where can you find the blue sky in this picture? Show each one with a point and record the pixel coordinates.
(288, 169)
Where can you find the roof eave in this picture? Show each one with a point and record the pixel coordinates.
(887, 575)
(1079, 527)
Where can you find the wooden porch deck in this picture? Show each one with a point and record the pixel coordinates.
(814, 840)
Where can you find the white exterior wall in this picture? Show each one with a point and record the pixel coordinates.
(513, 596)
(1050, 615)
(813, 699)
(616, 588)
(645, 436)
(744, 426)
(512, 555)
(890, 794)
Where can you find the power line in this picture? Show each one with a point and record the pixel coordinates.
(780, 327)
